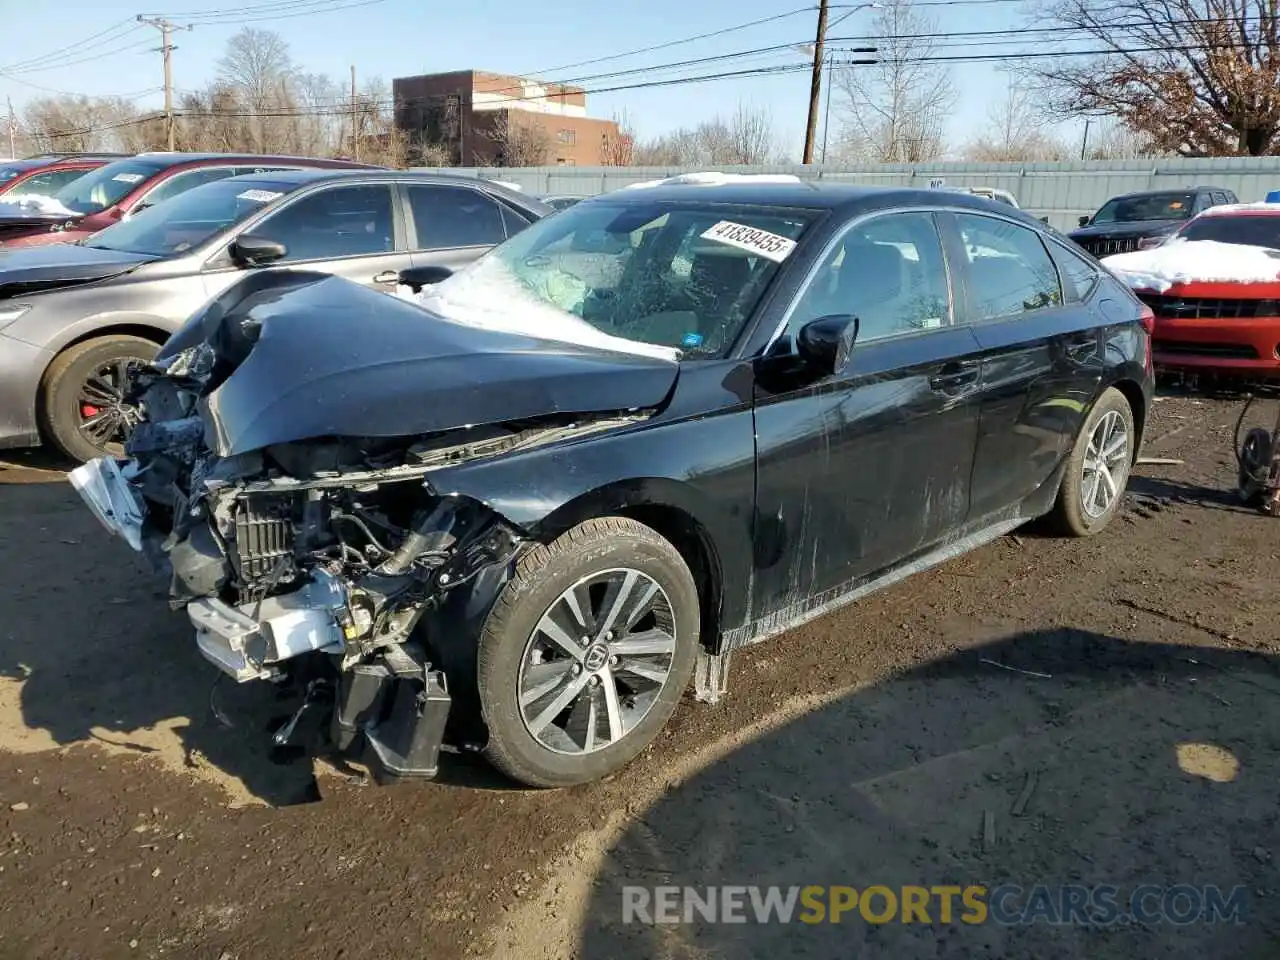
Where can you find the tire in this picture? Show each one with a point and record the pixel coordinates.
(1076, 512)
(539, 745)
(62, 405)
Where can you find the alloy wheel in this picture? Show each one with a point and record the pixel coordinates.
(104, 417)
(1106, 464)
(597, 661)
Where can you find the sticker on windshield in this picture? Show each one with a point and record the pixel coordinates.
(128, 178)
(766, 244)
(261, 196)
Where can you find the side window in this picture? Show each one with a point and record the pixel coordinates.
(1010, 271)
(447, 217)
(45, 184)
(889, 272)
(1078, 275)
(182, 182)
(338, 222)
(513, 222)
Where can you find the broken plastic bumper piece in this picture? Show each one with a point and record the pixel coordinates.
(103, 484)
(246, 642)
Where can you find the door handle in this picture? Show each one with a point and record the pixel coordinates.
(954, 377)
(386, 276)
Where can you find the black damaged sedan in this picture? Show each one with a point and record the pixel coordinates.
(521, 514)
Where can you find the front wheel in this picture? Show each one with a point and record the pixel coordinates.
(83, 408)
(586, 653)
(1098, 469)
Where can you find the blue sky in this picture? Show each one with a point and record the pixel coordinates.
(404, 37)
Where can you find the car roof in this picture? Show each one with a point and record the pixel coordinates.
(1165, 192)
(297, 178)
(166, 159)
(804, 194)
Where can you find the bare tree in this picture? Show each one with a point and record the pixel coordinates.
(895, 111)
(78, 123)
(746, 138)
(518, 142)
(1196, 77)
(617, 148)
(1017, 129)
(258, 68)
(1107, 139)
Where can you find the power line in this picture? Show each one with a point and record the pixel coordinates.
(278, 11)
(63, 51)
(62, 64)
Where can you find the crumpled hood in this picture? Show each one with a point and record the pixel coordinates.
(324, 357)
(1133, 228)
(29, 269)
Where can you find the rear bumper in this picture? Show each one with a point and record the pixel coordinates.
(21, 367)
(1233, 346)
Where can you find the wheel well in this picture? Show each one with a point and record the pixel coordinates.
(1137, 403)
(154, 334)
(689, 537)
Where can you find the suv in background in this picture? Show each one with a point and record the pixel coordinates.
(46, 174)
(118, 190)
(1137, 221)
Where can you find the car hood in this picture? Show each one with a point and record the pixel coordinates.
(1135, 228)
(293, 355)
(31, 269)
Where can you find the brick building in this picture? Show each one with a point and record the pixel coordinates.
(477, 119)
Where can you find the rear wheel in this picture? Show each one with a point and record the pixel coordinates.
(83, 410)
(586, 653)
(1098, 469)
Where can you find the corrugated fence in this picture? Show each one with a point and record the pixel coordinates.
(1060, 191)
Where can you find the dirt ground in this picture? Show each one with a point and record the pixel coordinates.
(1136, 675)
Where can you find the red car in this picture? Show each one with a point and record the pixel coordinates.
(46, 174)
(1214, 287)
(112, 192)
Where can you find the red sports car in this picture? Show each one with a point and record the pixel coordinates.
(1214, 287)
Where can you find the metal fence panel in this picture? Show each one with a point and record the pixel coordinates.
(1063, 192)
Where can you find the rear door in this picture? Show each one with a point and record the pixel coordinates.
(451, 225)
(1041, 356)
(859, 470)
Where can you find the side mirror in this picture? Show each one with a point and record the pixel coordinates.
(823, 343)
(1084, 221)
(419, 277)
(251, 251)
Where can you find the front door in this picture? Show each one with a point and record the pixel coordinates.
(863, 468)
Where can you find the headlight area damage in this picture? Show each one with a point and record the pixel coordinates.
(288, 495)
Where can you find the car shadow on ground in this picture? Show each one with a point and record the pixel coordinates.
(1151, 764)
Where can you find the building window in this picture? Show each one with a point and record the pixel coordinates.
(566, 162)
(567, 136)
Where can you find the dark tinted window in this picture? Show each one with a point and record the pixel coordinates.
(454, 217)
(337, 222)
(1254, 230)
(45, 184)
(1009, 269)
(888, 272)
(1078, 274)
(513, 222)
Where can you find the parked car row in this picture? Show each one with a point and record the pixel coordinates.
(519, 511)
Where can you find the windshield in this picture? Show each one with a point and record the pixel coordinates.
(1155, 206)
(105, 186)
(189, 219)
(668, 276)
(1249, 230)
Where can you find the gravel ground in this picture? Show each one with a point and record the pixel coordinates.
(1134, 676)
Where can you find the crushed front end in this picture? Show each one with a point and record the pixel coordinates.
(310, 562)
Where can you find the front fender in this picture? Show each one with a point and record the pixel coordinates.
(703, 468)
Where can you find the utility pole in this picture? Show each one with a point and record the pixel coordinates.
(355, 137)
(815, 86)
(166, 29)
(13, 130)
(1084, 143)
